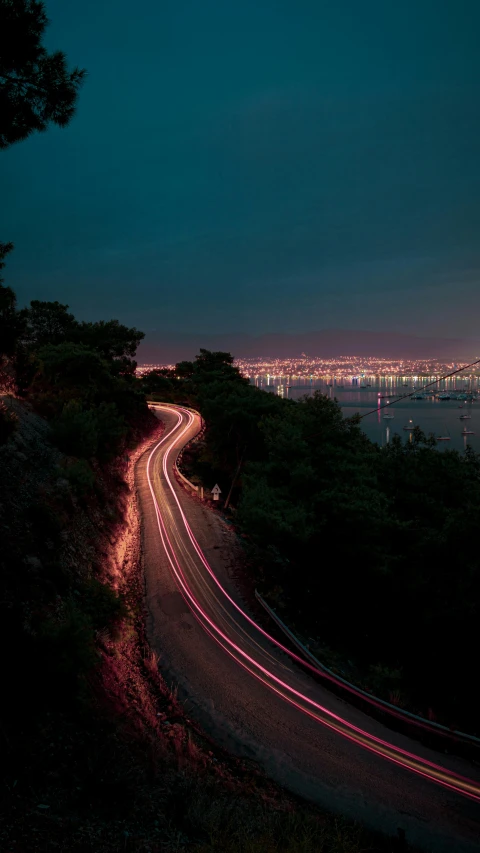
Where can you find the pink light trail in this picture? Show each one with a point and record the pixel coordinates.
(396, 755)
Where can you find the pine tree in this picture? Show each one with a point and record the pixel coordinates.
(8, 316)
(36, 88)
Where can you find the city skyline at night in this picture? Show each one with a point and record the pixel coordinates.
(344, 366)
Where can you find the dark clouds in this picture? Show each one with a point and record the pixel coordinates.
(258, 166)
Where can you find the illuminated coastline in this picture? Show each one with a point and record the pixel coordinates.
(339, 368)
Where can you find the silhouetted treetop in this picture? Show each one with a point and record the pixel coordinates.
(47, 323)
(110, 338)
(8, 315)
(36, 87)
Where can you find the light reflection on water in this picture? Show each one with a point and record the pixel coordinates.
(440, 417)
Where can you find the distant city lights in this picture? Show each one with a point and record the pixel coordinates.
(342, 367)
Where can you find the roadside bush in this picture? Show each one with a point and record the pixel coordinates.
(75, 431)
(8, 423)
(66, 647)
(80, 476)
(46, 523)
(111, 430)
(67, 652)
(100, 604)
(58, 575)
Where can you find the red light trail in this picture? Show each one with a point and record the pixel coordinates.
(306, 705)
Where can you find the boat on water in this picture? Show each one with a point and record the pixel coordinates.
(388, 417)
(465, 417)
(466, 431)
(446, 435)
(410, 426)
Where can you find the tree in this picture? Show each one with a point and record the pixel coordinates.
(47, 323)
(73, 371)
(5, 248)
(207, 360)
(75, 431)
(36, 88)
(184, 369)
(216, 366)
(8, 315)
(111, 430)
(113, 341)
(10, 327)
(156, 382)
(42, 324)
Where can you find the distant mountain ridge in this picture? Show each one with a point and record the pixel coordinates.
(328, 343)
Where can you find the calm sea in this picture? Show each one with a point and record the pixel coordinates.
(440, 417)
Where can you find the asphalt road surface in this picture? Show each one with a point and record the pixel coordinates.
(259, 704)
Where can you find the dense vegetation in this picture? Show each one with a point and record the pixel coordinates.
(372, 551)
(92, 735)
(80, 377)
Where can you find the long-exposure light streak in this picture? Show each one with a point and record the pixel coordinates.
(361, 694)
(401, 757)
(372, 743)
(329, 725)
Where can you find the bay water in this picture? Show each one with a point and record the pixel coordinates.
(376, 397)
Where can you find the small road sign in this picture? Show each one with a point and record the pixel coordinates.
(216, 491)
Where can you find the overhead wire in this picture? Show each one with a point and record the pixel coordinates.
(416, 390)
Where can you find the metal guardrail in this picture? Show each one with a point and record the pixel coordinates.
(437, 728)
(195, 488)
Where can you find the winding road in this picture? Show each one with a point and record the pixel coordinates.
(256, 701)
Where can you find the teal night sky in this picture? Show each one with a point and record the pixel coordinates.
(258, 166)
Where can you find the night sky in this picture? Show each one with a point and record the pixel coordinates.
(258, 166)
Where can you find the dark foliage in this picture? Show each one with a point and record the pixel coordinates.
(378, 546)
(80, 476)
(36, 87)
(8, 423)
(373, 551)
(9, 325)
(75, 431)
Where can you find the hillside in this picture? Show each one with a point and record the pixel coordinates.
(97, 754)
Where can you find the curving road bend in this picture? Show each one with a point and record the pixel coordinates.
(257, 702)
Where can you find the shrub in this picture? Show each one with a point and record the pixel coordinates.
(111, 430)
(45, 522)
(58, 575)
(100, 603)
(80, 476)
(67, 651)
(75, 431)
(8, 423)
